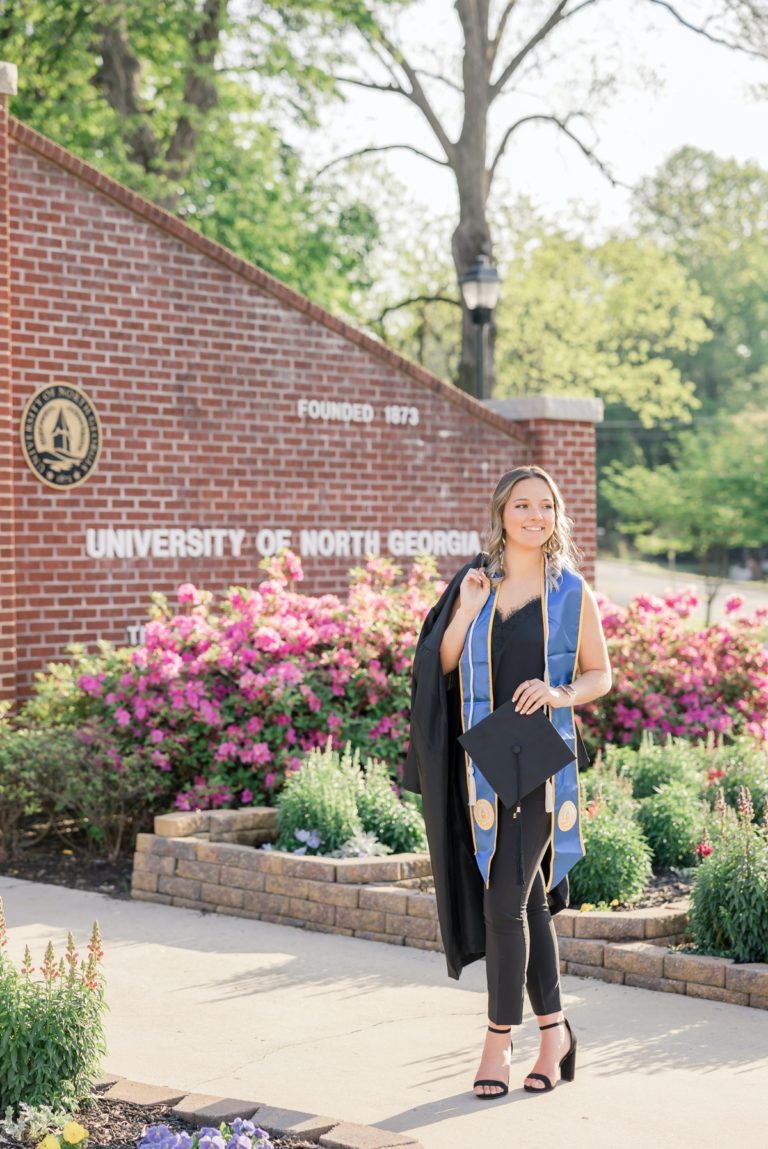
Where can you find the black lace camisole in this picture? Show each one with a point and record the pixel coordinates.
(517, 648)
(517, 653)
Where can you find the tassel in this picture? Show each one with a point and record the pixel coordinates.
(549, 796)
(472, 787)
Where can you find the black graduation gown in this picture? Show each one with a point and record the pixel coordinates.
(434, 768)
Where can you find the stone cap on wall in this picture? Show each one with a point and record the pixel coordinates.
(563, 408)
(9, 77)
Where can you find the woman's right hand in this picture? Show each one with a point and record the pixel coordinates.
(473, 592)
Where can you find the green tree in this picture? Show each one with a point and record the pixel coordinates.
(604, 321)
(170, 99)
(712, 215)
(712, 497)
(414, 300)
(574, 318)
(509, 51)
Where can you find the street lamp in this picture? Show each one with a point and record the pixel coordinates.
(480, 290)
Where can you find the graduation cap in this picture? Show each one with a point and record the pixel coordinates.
(516, 752)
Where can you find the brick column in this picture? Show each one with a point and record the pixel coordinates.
(7, 436)
(562, 431)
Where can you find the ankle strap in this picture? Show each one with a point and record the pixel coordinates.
(494, 1030)
(552, 1024)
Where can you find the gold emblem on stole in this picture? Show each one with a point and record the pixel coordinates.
(566, 817)
(484, 814)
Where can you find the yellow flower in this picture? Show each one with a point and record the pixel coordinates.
(73, 1133)
(586, 906)
(66, 851)
(50, 1141)
(615, 902)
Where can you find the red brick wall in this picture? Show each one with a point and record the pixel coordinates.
(195, 363)
(567, 451)
(7, 435)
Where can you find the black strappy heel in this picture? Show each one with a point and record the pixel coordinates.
(567, 1064)
(503, 1087)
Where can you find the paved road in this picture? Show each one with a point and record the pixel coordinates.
(378, 1034)
(622, 581)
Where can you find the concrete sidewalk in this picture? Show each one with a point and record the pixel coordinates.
(378, 1034)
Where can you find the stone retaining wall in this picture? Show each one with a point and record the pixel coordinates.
(185, 863)
(207, 861)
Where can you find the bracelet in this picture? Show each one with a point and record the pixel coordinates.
(568, 690)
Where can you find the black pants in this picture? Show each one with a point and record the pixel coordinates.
(521, 944)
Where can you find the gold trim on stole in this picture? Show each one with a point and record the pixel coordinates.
(573, 718)
(490, 692)
(466, 755)
(548, 710)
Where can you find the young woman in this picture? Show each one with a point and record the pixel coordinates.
(518, 622)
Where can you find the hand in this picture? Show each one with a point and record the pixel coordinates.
(473, 592)
(533, 694)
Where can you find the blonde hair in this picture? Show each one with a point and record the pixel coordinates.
(560, 549)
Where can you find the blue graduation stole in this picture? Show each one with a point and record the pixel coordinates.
(562, 610)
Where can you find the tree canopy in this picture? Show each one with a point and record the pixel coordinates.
(600, 320)
(711, 498)
(711, 214)
(186, 102)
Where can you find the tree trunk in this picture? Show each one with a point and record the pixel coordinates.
(469, 162)
(118, 78)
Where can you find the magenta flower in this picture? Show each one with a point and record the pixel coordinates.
(260, 754)
(187, 592)
(225, 751)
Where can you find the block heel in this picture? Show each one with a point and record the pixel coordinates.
(566, 1065)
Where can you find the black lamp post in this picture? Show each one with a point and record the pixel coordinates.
(480, 289)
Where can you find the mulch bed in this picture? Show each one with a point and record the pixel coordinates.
(76, 870)
(120, 1124)
(664, 886)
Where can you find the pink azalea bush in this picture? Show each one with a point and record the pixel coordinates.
(671, 679)
(228, 699)
(225, 701)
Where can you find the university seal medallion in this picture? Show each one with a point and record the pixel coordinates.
(61, 435)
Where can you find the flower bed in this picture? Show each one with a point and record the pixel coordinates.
(223, 702)
(671, 679)
(121, 1112)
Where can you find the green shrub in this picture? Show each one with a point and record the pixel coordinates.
(62, 775)
(51, 1031)
(617, 862)
(109, 794)
(331, 806)
(729, 899)
(603, 785)
(743, 763)
(17, 796)
(321, 796)
(654, 764)
(673, 821)
(395, 822)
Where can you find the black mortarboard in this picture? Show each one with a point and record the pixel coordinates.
(516, 752)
